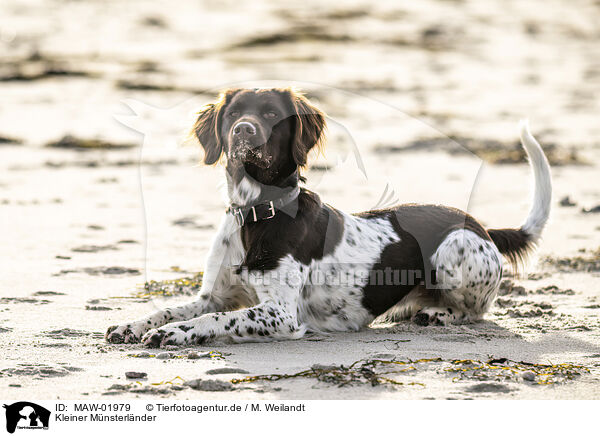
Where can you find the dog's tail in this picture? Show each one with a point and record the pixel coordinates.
(517, 244)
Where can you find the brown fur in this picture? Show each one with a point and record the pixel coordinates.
(310, 124)
(514, 244)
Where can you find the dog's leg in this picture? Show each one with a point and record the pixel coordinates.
(216, 293)
(468, 271)
(132, 331)
(266, 321)
(275, 317)
(439, 316)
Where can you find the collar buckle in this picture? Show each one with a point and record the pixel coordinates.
(239, 216)
(256, 218)
(271, 209)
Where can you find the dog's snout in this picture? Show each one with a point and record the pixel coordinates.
(244, 128)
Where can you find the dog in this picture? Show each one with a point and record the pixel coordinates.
(283, 263)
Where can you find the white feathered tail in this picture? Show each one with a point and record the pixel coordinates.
(516, 244)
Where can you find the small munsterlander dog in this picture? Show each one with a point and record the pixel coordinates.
(283, 263)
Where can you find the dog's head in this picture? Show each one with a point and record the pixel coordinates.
(266, 131)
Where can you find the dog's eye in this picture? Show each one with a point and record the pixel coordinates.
(270, 114)
(234, 114)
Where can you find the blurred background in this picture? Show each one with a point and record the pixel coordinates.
(456, 64)
(84, 84)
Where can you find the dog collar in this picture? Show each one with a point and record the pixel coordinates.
(262, 211)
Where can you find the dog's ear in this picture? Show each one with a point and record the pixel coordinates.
(208, 127)
(310, 124)
(206, 130)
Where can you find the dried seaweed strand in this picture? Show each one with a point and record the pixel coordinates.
(365, 371)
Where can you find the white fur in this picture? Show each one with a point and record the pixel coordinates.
(337, 306)
(470, 268)
(468, 277)
(245, 192)
(273, 318)
(542, 196)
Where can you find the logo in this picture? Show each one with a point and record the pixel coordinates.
(26, 415)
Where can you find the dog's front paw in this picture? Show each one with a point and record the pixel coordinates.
(153, 338)
(163, 336)
(173, 334)
(124, 333)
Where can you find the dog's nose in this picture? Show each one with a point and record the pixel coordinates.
(244, 128)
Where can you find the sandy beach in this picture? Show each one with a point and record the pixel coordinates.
(107, 214)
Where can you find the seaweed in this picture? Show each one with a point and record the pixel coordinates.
(377, 371)
(169, 288)
(9, 140)
(365, 371)
(503, 369)
(32, 72)
(490, 150)
(143, 86)
(71, 142)
(295, 34)
(160, 387)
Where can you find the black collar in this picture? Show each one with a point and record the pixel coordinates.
(262, 211)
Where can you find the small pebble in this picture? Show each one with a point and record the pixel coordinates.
(528, 375)
(164, 355)
(194, 355)
(227, 371)
(134, 374)
(143, 354)
(567, 202)
(319, 367)
(519, 290)
(384, 356)
(118, 387)
(595, 209)
(209, 385)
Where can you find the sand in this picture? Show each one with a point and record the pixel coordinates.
(88, 220)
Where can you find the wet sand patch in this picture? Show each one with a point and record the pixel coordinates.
(7, 140)
(71, 333)
(39, 370)
(192, 222)
(25, 71)
(102, 271)
(589, 261)
(42, 293)
(93, 248)
(15, 300)
(490, 150)
(70, 142)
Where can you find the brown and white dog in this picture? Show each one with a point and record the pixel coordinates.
(283, 263)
